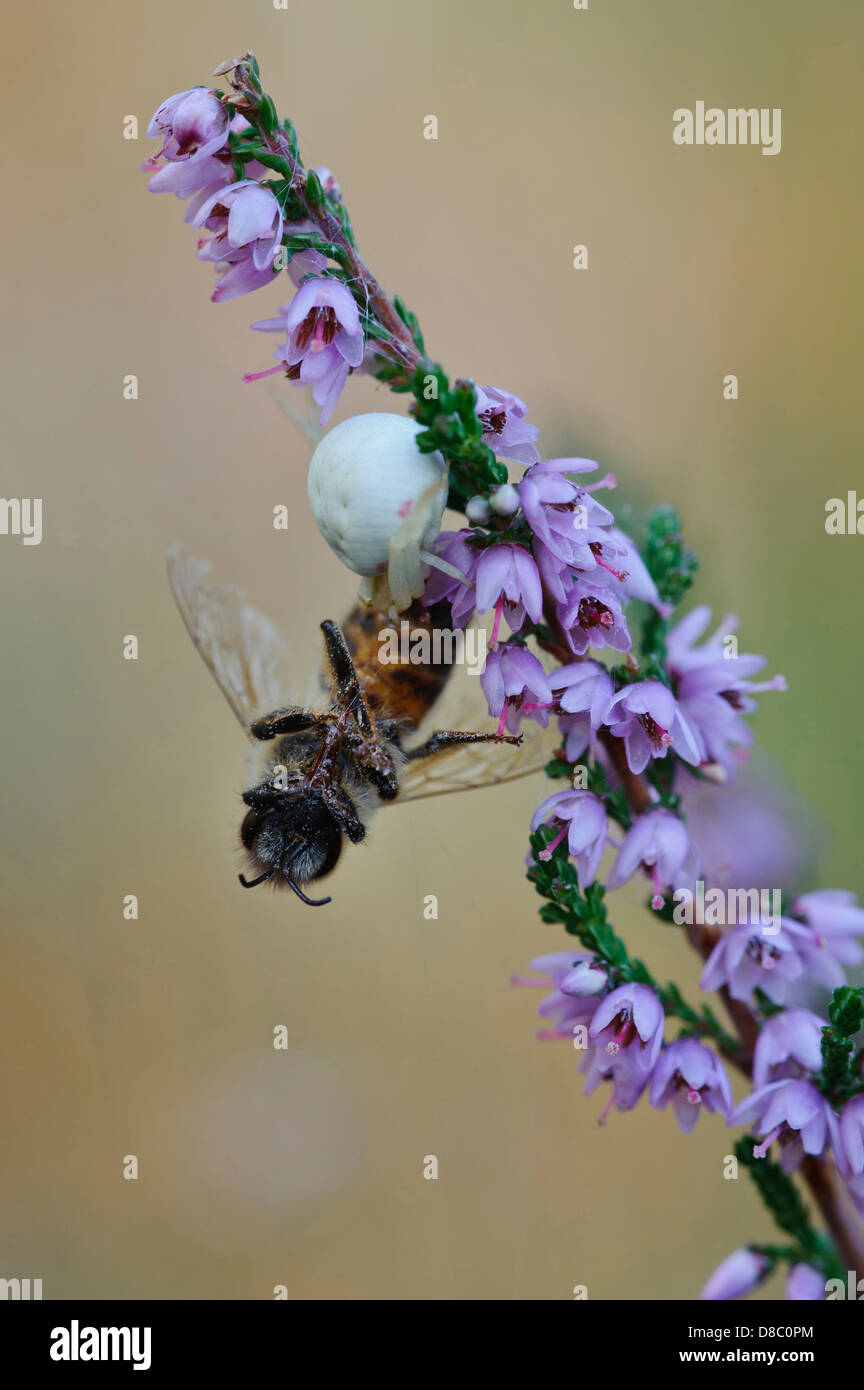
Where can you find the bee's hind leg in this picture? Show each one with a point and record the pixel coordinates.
(445, 739)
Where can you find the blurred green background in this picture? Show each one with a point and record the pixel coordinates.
(304, 1167)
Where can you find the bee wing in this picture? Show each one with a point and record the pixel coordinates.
(244, 651)
(462, 706)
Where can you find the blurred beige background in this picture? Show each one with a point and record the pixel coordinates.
(154, 1037)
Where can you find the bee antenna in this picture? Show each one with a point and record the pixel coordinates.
(253, 883)
(310, 902)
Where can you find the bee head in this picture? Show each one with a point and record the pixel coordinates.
(291, 838)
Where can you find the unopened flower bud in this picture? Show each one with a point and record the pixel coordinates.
(805, 1283)
(328, 182)
(478, 511)
(584, 980)
(738, 1274)
(505, 500)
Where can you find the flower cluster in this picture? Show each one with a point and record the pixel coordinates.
(650, 723)
(546, 560)
(253, 226)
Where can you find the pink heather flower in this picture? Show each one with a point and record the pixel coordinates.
(682, 655)
(740, 1273)
(581, 817)
(831, 910)
(822, 955)
(790, 1111)
(584, 690)
(657, 842)
(746, 958)
(690, 1075)
(323, 339)
(187, 177)
(192, 125)
(239, 276)
(836, 921)
(576, 733)
(454, 581)
(627, 1077)
(507, 580)
(563, 1009)
(505, 428)
(713, 697)
(648, 718)
(757, 831)
(627, 1034)
(713, 688)
(805, 1284)
(628, 1027)
(850, 1145)
(592, 616)
(514, 684)
(569, 526)
(789, 1044)
(244, 217)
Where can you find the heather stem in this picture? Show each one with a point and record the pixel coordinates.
(848, 1234)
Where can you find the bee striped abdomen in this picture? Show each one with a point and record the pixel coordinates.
(408, 688)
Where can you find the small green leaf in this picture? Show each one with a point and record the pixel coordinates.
(314, 191)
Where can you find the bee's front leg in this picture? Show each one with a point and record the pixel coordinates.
(291, 720)
(446, 739)
(342, 810)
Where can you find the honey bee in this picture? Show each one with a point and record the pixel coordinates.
(316, 775)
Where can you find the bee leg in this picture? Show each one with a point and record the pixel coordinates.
(343, 677)
(342, 810)
(291, 720)
(368, 753)
(446, 739)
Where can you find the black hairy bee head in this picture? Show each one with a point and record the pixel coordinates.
(291, 838)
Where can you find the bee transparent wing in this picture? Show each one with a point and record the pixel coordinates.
(244, 651)
(463, 706)
(477, 764)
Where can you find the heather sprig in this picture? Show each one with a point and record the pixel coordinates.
(840, 1077)
(638, 732)
(583, 915)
